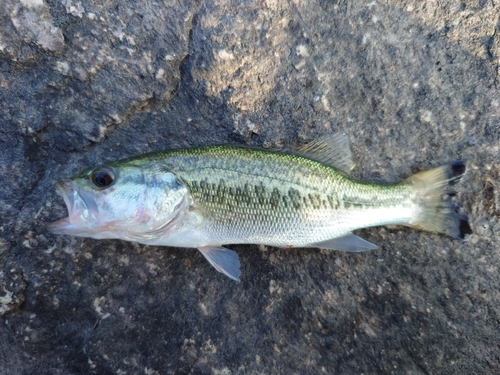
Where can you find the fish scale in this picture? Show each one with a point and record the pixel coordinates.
(251, 203)
(210, 196)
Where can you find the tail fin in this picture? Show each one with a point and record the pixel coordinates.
(435, 211)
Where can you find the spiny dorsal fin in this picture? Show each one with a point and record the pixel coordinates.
(332, 150)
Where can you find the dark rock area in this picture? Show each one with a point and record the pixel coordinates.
(413, 84)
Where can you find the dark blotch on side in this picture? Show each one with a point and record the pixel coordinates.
(295, 198)
(274, 199)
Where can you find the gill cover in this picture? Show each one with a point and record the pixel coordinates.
(121, 201)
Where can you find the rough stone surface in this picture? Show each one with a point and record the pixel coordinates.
(413, 84)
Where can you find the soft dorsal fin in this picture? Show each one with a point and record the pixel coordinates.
(332, 150)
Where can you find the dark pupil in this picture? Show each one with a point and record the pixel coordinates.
(103, 178)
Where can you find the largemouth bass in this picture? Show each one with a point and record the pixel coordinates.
(211, 196)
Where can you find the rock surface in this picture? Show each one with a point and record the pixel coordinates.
(413, 84)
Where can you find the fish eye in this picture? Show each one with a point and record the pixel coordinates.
(102, 177)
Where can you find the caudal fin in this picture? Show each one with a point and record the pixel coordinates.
(435, 212)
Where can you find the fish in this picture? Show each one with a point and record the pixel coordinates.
(210, 196)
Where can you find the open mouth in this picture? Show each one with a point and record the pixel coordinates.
(82, 210)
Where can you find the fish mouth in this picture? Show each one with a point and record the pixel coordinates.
(82, 210)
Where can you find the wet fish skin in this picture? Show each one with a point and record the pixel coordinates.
(214, 195)
(256, 196)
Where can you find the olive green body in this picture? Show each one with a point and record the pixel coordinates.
(244, 195)
(211, 196)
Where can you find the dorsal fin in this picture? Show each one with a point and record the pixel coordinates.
(332, 150)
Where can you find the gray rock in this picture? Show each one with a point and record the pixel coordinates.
(413, 84)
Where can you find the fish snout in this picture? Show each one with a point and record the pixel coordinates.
(64, 185)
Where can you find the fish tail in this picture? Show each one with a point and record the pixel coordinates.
(434, 210)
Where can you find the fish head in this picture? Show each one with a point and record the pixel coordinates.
(121, 200)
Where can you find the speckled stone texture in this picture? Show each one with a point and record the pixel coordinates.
(414, 84)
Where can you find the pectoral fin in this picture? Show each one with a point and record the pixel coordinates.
(223, 260)
(350, 242)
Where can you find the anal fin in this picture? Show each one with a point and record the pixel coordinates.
(350, 242)
(223, 260)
